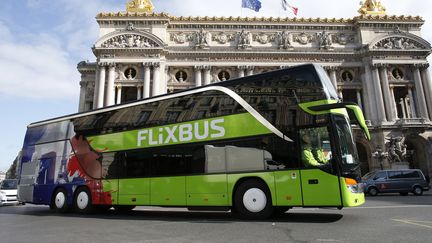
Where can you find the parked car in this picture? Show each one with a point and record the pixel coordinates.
(401, 181)
(8, 192)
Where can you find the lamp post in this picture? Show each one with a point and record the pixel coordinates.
(380, 155)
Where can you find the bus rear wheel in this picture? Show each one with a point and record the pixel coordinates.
(59, 201)
(252, 200)
(83, 201)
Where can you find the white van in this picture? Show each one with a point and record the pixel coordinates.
(8, 192)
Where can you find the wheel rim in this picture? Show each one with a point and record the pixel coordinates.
(60, 200)
(417, 190)
(82, 200)
(254, 200)
(373, 191)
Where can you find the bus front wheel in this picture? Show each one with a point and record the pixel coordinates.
(253, 200)
(59, 201)
(83, 201)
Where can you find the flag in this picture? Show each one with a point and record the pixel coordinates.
(252, 4)
(285, 6)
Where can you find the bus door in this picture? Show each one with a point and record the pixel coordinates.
(319, 180)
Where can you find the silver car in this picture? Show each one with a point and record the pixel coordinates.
(390, 181)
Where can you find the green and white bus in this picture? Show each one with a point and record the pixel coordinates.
(254, 145)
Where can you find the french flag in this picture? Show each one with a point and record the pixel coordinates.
(285, 6)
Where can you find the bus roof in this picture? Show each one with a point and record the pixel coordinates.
(167, 96)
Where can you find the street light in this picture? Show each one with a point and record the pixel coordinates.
(380, 155)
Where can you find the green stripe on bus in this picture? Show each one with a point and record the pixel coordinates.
(225, 127)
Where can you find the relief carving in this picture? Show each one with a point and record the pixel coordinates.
(223, 38)
(263, 38)
(397, 43)
(129, 41)
(303, 38)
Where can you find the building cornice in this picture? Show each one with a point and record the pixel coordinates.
(262, 20)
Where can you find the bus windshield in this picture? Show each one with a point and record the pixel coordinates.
(347, 148)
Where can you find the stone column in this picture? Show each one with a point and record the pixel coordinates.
(421, 101)
(392, 97)
(207, 75)
(427, 85)
(110, 95)
(378, 95)
(156, 79)
(340, 94)
(119, 94)
(198, 81)
(359, 98)
(333, 76)
(369, 95)
(250, 70)
(95, 89)
(146, 84)
(412, 113)
(83, 89)
(241, 71)
(139, 92)
(388, 102)
(403, 104)
(101, 86)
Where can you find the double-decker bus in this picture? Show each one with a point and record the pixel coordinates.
(254, 145)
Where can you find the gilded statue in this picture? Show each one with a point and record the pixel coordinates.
(145, 6)
(371, 7)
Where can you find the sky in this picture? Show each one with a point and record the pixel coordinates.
(42, 41)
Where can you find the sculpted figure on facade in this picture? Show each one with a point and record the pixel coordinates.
(202, 39)
(244, 39)
(285, 39)
(324, 40)
(140, 6)
(130, 26)
(396, 149)
(371, 7)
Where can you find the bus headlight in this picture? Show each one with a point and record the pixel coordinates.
(353, 186)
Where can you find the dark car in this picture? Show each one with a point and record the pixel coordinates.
(401, 181)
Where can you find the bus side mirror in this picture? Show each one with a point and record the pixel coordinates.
(360, 118)
(350, 106)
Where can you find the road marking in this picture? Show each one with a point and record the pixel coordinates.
(394, 206)
(414, 222)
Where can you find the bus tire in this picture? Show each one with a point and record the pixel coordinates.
(59, 201)
(252, 200)
(83, 201)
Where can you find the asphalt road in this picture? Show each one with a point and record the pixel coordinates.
(388, 218)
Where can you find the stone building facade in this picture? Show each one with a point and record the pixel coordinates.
(374, 59)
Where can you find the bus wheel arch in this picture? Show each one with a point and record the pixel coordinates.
(83, 200)
(59, 200)
(252, 198)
